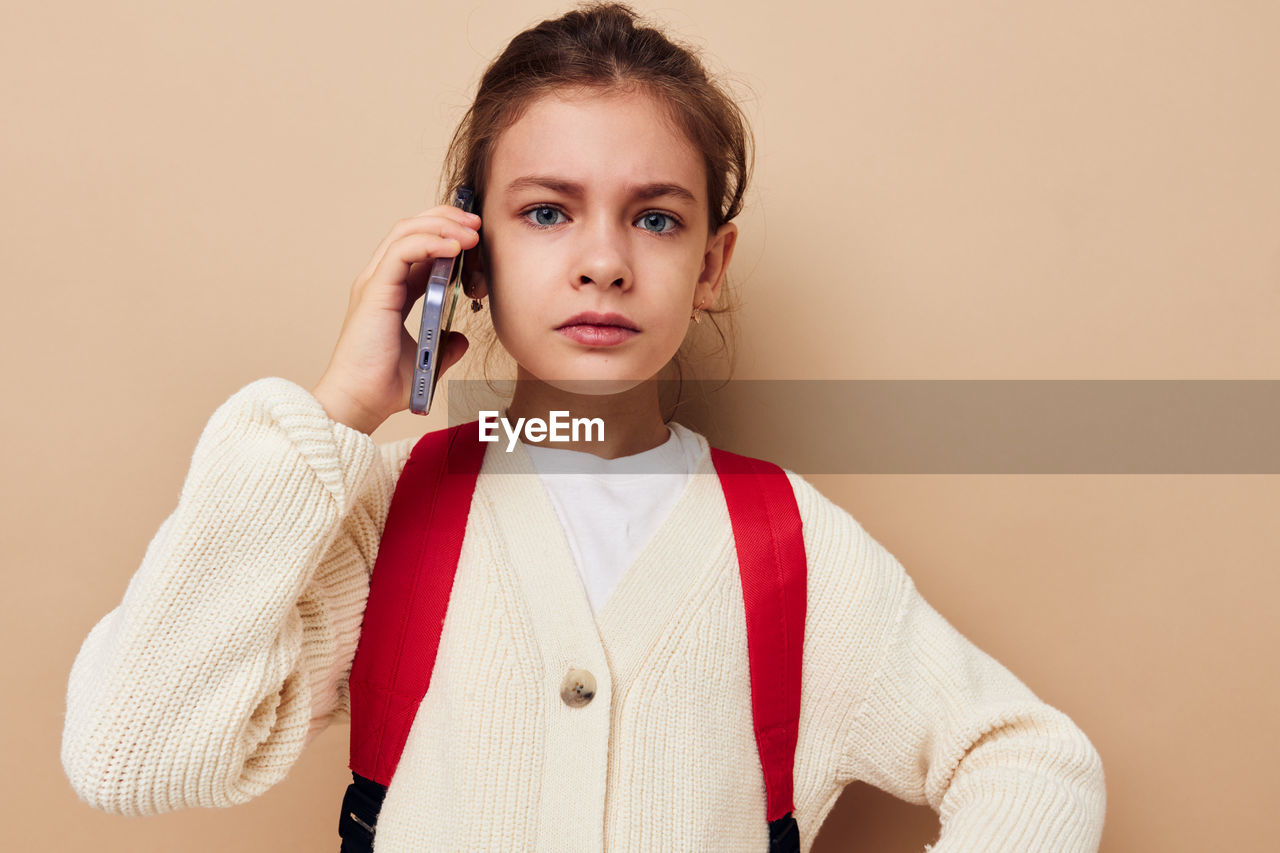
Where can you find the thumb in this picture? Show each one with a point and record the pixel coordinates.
(455, 346)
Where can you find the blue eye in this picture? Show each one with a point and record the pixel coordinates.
(537, 215)
(649, 218)
(544, 216)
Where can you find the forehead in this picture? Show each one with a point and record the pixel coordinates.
(603, 141)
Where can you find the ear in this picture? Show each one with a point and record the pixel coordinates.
(715, 262)
(475, 278)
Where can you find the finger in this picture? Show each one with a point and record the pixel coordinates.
(416, 283)
(441, 226)
(470, 219)
(387, 287)
(450, 232)
(444, 221)
(447, 208)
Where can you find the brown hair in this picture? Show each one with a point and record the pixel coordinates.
(604, 46)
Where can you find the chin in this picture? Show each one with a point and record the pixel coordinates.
(595, 386)
(592, 378)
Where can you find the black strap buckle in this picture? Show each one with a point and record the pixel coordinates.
(784, 835)
(359, 819)
(363, 802)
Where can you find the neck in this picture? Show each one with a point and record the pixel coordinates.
(632, 418)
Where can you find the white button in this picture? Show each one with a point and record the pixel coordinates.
(578, 688)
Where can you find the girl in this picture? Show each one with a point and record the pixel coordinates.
(608, 169)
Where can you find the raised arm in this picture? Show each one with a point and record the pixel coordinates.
(231, 647)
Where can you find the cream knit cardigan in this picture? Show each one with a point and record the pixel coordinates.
(230, 651)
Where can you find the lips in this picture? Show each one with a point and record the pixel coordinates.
(597, 336)
(596, 319)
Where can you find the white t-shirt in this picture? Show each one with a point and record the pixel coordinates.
(609, 508)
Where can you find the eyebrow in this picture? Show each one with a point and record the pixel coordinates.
(576, 190)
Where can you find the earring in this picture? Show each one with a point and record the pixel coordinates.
(696, 311)
(476, 305)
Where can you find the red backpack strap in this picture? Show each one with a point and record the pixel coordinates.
(768, 535)
(409, 594)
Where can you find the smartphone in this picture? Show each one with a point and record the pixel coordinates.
(438, 303)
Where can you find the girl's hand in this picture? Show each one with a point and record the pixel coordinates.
(371, 370)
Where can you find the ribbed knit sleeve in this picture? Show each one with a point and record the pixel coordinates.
(939, 721)
(231, 647)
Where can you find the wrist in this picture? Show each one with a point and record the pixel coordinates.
(342, 409)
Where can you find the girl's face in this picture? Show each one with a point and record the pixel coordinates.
(596, 203)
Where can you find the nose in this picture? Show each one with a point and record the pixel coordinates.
(602, 258)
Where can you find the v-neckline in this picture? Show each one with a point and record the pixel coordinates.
(687, 543)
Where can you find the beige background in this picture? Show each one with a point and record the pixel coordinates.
(990, 190)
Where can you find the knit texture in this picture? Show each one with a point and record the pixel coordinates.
(231, 648)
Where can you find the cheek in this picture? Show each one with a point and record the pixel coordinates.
(682, 275)
(508, 252)
(514, 304)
